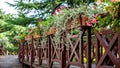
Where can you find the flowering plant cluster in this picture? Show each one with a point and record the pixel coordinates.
(110, 19)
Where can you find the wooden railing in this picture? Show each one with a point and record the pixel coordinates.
(80, 48)
(58, 51)
(102, 50)
(108, 49)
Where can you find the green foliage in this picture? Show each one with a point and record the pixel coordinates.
(111, 19)
(105, 21)
(59, 21)
(75, 31)
(4, 26)
(8, 30)
(3, 16)
(44, 28)
(13, 49)
(22, 20)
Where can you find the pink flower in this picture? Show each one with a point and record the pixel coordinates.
(94, 20)
(98, 2)
(113, 1)
(57, 11)
(88, 23)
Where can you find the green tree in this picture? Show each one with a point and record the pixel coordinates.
(42, 8)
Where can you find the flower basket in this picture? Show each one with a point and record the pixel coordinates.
(49, 33)
(84, 19)
(68, 24)
(81, 21)
(22, 41)
(36, 36)
(52, 31)
(28, 37)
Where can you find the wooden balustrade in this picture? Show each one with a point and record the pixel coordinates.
(103, 48)
(58, 52)
(108, 49)
(21, 51)
(80, 49)
(44, 53)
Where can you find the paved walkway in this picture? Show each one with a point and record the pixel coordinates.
(9, 61)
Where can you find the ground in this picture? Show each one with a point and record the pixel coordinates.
(9, 61)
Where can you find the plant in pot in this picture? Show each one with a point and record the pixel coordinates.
(71, 16)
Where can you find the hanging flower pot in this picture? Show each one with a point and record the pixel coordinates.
(84, 20)
(52, 31)
(68, 24)
(22, 41)
(81, 20)
(28, 37)
(49, 33)
(36, 36)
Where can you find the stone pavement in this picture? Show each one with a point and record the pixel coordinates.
(9, 61)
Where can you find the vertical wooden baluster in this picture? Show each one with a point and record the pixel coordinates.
(63, 58)
(81, 50)
(31, 53)
(89, 47)
(49, 52)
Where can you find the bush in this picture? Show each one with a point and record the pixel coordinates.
(13, 50)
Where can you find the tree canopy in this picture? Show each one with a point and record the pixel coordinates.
(42, 8)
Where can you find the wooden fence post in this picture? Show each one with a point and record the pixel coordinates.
(89, 47)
